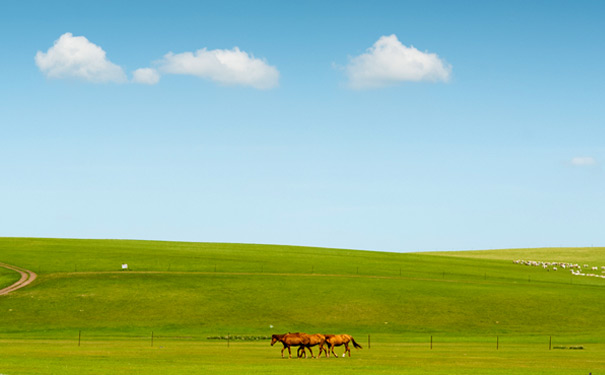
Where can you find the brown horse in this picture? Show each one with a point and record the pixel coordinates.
(316, 339)
(291, 339)
(338, 340)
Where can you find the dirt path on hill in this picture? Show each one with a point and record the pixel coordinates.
(27, 277)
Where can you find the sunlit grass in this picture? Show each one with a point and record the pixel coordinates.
(193, 357)
(470, 304)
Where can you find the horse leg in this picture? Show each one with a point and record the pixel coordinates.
(347, 349)
(332, 349)
(289, 352)
(321, 349)
(311, 350)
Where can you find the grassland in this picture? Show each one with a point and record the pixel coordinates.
(174, 357)
(184, 292)
(7, 277)
(580, 255)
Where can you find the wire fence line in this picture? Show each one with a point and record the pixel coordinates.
(430, 342)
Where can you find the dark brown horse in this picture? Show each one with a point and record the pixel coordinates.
(291, 339)
(338, 340)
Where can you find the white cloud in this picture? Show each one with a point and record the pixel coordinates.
(147, 76)
(389, 62)
(76, 57)
(582, 161)
(229, 67)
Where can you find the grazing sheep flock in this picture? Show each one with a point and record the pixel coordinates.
(574, 268)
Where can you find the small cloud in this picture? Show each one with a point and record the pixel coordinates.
(582, 161)
(389, 62)
(228, 67)
(76, 57)
(146, 76)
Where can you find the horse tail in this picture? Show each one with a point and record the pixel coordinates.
(357, 346)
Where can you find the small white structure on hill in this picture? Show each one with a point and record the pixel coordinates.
(124, 267)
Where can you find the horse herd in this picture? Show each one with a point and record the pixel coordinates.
(305, 341)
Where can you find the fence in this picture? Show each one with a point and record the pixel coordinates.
(431, 342)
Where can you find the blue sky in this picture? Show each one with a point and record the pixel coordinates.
(322, 138)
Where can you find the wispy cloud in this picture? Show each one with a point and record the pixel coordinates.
(76, 57)
(228, 67)
(146, 76)
(390, 62)
(583, 161)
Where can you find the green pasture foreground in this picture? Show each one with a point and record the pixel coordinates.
(470, 302)
(23, 357)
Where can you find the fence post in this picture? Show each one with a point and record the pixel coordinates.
(79, 337)
(550, 343)
(151, 338)
(431, 342)
(368, 341)
(497, 342)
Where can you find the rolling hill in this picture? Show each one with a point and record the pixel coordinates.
(199, 289)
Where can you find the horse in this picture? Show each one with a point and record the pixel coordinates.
(315, 339)
(338, 340)
(291, 339)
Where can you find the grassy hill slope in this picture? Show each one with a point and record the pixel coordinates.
(199, 288)
(580, 255)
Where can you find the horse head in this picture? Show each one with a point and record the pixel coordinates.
(276, 338)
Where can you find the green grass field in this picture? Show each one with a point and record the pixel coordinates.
(178, 357)
(186, 292)
(7, 277)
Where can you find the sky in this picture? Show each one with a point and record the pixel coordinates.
(378, 125)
